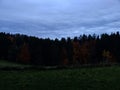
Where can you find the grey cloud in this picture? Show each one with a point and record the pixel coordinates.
(57, 18)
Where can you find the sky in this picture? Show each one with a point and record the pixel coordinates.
(59, 18)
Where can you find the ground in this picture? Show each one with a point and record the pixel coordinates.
(99, 78)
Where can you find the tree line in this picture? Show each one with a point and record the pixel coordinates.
(85, 49)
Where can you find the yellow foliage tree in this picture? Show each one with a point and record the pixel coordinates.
(108, 57)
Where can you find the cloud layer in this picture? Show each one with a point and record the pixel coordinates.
(59, 18)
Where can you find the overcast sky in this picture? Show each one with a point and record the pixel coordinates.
(59, 18)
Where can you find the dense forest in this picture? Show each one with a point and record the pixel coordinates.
(82, 50)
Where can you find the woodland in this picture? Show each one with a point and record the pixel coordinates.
(82, 50)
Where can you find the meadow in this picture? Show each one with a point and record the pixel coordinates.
(99, 78)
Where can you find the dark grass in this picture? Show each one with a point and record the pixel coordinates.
(100, 78)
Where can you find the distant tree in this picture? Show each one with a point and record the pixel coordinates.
(24, 54)
(85, 49)
(108, 57)
(76, 52)
(64, 57)
(69, 49)
(5, 44)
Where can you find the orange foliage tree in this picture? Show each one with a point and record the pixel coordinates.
(82, 52)
(64, 56)
(76, 52)
(24, 54)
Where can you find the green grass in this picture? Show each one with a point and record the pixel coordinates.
(4, 64)
(104, 78)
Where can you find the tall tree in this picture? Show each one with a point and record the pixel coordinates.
(24, 54)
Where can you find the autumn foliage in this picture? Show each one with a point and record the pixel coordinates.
(86, 49)
(24, 54)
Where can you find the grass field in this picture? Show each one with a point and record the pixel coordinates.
(4, 64)
(104, 78)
